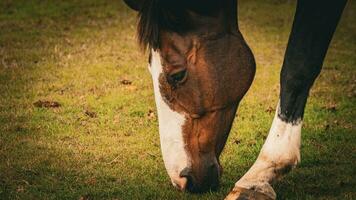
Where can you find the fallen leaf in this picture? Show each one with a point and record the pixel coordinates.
(127, 134)
(126, 82)
(151, 154)
(46, 104)
(270, 109)
(331, 107)
(151, 114)
(91, 114)
(237, 141)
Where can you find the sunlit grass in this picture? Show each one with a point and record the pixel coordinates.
(77, 53)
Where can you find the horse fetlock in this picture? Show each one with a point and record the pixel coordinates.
(278, 166)
(252, 191)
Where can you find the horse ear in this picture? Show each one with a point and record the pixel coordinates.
(192, 53)
(134, 4)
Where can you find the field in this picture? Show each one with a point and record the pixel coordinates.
(101, 140)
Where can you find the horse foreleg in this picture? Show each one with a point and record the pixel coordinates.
(313, 27)
(279, 154)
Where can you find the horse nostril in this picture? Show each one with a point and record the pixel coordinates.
(187, 173)
(177, 76)
(208, 181)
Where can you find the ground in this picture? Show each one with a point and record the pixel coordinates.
(101, 140)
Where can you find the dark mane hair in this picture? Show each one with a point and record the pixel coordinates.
(157, 15)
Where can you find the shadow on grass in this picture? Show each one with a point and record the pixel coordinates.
(326, 170)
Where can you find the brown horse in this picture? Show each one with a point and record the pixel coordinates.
(202, 67)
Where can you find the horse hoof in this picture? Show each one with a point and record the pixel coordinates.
(239, 193)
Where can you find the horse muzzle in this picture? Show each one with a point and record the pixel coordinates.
(207, 178)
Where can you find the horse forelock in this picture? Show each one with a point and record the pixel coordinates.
(158, 15)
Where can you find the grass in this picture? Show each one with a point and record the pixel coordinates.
(78, 52)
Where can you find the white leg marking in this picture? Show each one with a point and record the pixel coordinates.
(280, 151)
(170, 127)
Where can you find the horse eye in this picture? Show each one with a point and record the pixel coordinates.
(177, 77)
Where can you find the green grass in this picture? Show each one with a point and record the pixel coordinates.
(77, 53)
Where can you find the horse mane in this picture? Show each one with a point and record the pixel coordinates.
(157, 15)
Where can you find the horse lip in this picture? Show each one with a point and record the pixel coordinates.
(181, 183)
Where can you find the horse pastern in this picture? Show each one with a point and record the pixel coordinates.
(258, 187)
(241, 193)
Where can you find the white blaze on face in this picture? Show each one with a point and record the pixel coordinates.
(170, 127)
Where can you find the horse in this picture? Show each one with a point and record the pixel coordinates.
(201, 68)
